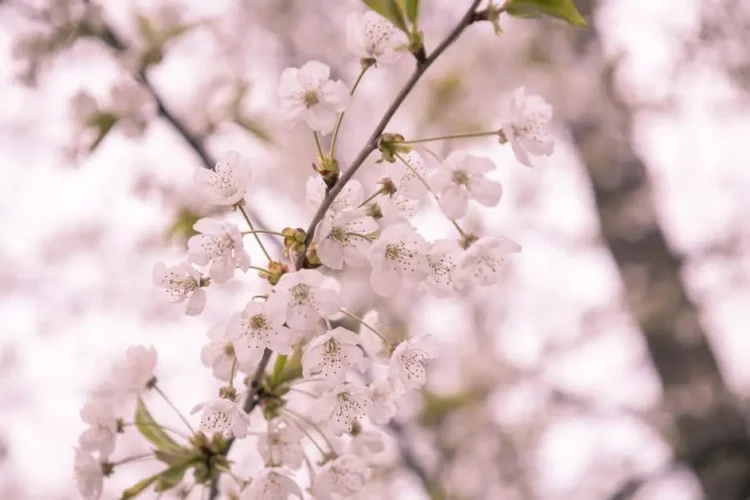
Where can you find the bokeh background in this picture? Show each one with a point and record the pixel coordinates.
(611, 361)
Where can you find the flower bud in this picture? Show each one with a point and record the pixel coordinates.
(328, 168)
(294, 240)
(275, 270)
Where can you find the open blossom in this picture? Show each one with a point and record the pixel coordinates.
(370, 36)
(524, 125)
(136, 373)
(272, 483)
(308, 94)
(342, 406)
(482, 261)
(351, 195)
(343, 237)
(408, 180)
(383, 407)
(222, 416)
(406, 370)
(100, 436)
(218, 354)
(443, 258)
(181, 282)
(332, 354)
(130, 103)
(259, 327)
(282, 445)
(393, 209)
(399, 253)
(461, 178)
(88, 475)
(226, 184)
(340, 478)
(220, 244)
(305, 299)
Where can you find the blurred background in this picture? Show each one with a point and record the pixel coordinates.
(611, 361)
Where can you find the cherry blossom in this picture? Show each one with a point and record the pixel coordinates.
(259, 326)
(226, 184)
(218, 354)
(369, 445)
(100, 436)
(442, 258)
(370, 36)
(136, 373)
(406, 178)
(383, 407)
(343, 237)
(393, 209)
(220, 245)
(342, 406)
(222, 416)
(350, 196)
(483, 260)
(332, 354)
(341, 478)
(524, 125)
(181, 282)
(400, 253)
(406, 370)
(88, 475)
(282, 444)
(305, 299)
(308, 94)
(272, 484)
(461, 178)
(129, 105)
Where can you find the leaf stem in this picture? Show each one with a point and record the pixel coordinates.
(176, 410)
(241, 206)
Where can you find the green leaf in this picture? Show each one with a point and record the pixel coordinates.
(172, 476)
(138, 487)
(412, 11)
(390, 10)
(561, 9)
(151, 430)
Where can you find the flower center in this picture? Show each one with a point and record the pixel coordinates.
(310, 98)
(460, 177)
(338, 234)
(258, 322)
(392, 251)
(300, 293)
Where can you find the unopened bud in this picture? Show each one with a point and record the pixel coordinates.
(294, 240)
(328, 168)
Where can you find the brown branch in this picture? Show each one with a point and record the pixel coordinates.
(372, 142)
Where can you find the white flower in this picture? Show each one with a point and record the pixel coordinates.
(260, 326)
(371, 36)
(525, 121)
(399, 253)
(282, 444)
(226, 184)
(129, 105)
(88, 475)
(409, 182)
(272, 484)
(330, 355)
(222, 416)
(369, 445)
(137, 371)
(100, 436)
(181, 282)
(218, 354)
(406, 370)
(484, 259)
(350, 196)
(221, 245)
(383, 407)
(343, 477)
(308, 94)
(344, 237)
(83, 108)
(443, 258)
(461, 178)
(305, 299)
(393, 209)
(341, 406)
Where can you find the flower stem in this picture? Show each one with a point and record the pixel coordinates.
(422, 179)
(133, 459)
(177, 411)
(370, 198)
(264, 231)
(306, 420)
(357, 235)
(241, 206)
(341, 115)
(233, 372)
(317, 143)
(453, 136)
(259, 269)
(361, 322)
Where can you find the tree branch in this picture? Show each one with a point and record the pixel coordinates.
(372, 142)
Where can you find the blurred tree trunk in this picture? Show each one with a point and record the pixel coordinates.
(709, 429)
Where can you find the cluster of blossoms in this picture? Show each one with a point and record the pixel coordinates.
(296, 327)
